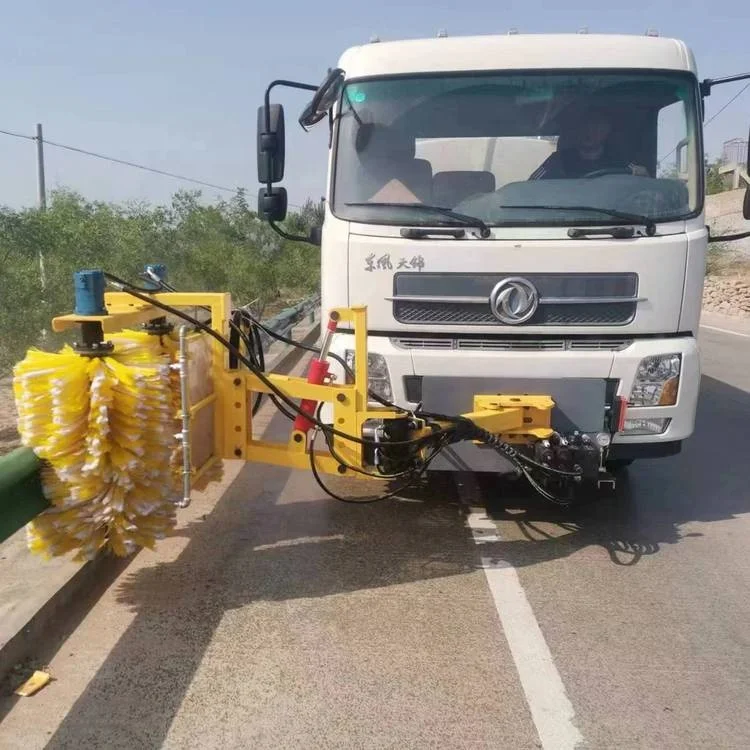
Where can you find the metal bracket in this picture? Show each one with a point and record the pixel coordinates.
(515, 418)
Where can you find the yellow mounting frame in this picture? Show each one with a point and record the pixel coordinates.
(350, 411)
(517, 418)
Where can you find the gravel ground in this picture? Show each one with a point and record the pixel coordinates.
(727, 295)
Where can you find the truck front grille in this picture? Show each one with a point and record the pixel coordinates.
(580, 299)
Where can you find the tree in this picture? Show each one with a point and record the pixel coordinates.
(311, 215)
(714, 180)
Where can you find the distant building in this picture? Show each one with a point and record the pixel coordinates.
(734, 152)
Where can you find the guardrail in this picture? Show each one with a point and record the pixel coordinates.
(283, 322)
(21, 496)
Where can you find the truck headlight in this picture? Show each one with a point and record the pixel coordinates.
(657, 381)
(378, 377)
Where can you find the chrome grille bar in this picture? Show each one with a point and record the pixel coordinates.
(542, 300)
(511, 344)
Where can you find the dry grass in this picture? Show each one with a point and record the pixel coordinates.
(722, 260)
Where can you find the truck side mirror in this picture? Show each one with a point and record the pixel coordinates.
(746, 204)
(272, 205)
(271, 144)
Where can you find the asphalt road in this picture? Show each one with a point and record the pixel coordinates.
(466, 616)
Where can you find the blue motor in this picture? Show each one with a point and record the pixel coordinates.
(89, 292)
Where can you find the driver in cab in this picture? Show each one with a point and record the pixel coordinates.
(586, 150)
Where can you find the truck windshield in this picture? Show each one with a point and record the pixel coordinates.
(483, 144)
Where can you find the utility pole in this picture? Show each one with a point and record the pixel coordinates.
(42, 190)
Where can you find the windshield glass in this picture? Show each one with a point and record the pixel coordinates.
(518, 149)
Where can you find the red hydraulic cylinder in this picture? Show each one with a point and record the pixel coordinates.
(316, 374)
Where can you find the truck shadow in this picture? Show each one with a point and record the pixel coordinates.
(273, 539)
(706, 482)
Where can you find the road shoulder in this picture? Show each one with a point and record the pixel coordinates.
(733, 324)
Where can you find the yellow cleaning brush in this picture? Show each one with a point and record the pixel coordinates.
(105, 428)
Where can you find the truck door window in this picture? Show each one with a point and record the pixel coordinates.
(674, 140)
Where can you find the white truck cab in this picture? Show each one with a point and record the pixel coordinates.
(519, 214)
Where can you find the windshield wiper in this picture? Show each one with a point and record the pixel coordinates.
(464, 219)
(611, 212)
(619, 233)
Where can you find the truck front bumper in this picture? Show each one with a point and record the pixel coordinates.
(584, 384)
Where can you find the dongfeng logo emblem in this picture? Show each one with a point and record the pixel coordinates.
(514, 300)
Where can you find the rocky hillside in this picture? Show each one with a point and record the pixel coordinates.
(729, 296)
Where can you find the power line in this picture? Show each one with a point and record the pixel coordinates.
(741, 91)
(18, 135)
(139, 166)
(121, 161)
(712, 118)
(144, 167)
(126, 163)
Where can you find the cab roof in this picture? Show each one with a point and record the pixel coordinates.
(517, 52)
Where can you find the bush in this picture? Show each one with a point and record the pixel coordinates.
(216, 247)
(715, 182)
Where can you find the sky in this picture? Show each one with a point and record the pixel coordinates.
(176, 85)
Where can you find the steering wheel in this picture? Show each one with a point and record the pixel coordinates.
(604, 172)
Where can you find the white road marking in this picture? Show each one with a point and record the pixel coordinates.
(726, 330)
(551, 710)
